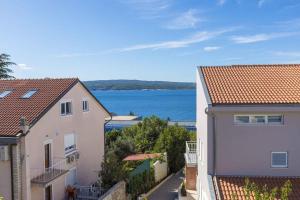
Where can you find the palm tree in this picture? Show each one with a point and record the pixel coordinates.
(5, 63)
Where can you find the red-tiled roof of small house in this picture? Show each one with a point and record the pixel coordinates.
(136, 157)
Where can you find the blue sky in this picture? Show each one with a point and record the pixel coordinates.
(145, 39)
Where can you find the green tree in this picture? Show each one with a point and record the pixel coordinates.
(112, 171)
(112, 136)
(5, 63)
(122, 148)
(173, 140)
(147, 132)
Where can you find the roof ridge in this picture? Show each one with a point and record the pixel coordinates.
(251, 65)
(46, 78)
(254, 176)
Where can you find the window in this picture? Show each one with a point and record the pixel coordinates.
(66, 108)
(277, 119)
(71, 177)
(241, 119)
(70, 143)
(5, 93)
(258, 119)
(85, 105)
(279, 159)
(28, 94)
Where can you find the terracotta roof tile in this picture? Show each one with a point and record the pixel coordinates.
(253, 84)
(13, 107)
(145, 156)
(234, 186)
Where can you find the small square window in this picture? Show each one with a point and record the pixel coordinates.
(85, 105)
(66, 108)
(279, 159)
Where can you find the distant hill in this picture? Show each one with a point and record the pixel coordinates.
(137, 85)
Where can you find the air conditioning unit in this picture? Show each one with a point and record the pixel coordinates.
(4, 153)
(70, 158)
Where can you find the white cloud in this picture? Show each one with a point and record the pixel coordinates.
(261, 2)
(188, 19)
(287, 53)
(261, 37)
(23, 67)
(221, 2)
(288, 24)
(196, 38)
(211, 48)
(148, 9)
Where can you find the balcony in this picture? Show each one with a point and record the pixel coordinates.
(44, 176)
(88, 192)
(191, 153)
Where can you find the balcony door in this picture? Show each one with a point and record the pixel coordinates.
(48, 192)
(48, 155)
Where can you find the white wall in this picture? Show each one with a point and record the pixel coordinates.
(203, 123)
(161, 169)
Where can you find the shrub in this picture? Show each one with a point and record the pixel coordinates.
(183, 190)
(264, 193)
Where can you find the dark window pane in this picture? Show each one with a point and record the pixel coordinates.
(62, 109)
(275, 119)
(242, 119)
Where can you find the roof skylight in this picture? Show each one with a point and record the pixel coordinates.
(5, 93)
(28, 94)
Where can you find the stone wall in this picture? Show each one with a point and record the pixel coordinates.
(117, 192)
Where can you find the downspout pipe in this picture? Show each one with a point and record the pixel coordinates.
(210, 113)
(11, 172)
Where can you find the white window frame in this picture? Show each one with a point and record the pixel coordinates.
(31, 92)
(75, 143)
(257, 123)
(279, 166)
(87, 105)
(5, 93)
(65, 103)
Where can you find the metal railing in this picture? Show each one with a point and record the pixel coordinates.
(45, 175)
(191, 147)
(191, 151)
(89, 192)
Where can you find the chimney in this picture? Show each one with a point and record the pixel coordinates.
(23, 125)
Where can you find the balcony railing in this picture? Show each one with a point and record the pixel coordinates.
(45, 175)
(88, 192)
(191, 152)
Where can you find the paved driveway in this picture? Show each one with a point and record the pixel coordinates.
(168, 190)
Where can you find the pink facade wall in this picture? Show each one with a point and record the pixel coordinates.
(246, 149)
(89, 130)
